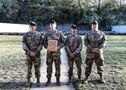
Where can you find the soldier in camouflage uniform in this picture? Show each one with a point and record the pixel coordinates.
(32, 45)
(95, 41)
(73, 47)
(53, 56)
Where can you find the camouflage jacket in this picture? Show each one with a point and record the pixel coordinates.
(95, 40)
(73, 44)
(32, 42)
(54, 36)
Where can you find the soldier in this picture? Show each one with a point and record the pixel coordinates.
(53, 56)
(32, 45)
(95, 41)
(73, 47)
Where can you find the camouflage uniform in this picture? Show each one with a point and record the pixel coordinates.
(53, 56)
(94, 40)
(73, 44)
(32, 42)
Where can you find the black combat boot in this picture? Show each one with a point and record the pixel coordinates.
(58, 81)
(48, 82)
(69, 81)
(28, 84)
(102, 79)
(38, 82)
(85, 79)
(79, 77)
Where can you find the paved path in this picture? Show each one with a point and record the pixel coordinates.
(63, 79)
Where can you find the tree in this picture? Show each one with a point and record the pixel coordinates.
(107, 12)
(8, 10)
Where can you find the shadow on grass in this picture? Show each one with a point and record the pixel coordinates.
(52, 85)
(12, 85)
(22, 85)
(95, 82)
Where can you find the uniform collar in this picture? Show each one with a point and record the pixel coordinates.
(74, 35)
(32, 33)
(94, 31)
(53, 31)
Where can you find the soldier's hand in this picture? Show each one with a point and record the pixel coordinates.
(72, 55)
(33, 54)
(96, 50)
(57, 49)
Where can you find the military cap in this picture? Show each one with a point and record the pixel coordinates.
(74, 26)
(52, 21)
(33, 24)
(95, 22)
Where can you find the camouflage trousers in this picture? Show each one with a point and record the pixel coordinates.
(78, 62)
(30, 61)
(53, 57)
(98, 58)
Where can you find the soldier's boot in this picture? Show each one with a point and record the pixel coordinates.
(85, 80)
(58, 81)
(38, 82)
(48, 82)
(28, 84)
(69, 81)
(102, 79)
(79, 77)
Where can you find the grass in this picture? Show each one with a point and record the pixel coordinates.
(13, 67)
(114, 69)
(12, 63)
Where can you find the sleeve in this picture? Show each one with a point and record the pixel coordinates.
(40, 44)
(78, 50)
(45, 41)
(61, 41)
(86, 42)
(66, 45)
(103, 42)
(24, 42)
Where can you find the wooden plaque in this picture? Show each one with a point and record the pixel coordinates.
(52, 45)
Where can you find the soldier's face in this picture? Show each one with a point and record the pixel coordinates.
(94, 26)
(73, 31)
(32, 28)
(53, 26)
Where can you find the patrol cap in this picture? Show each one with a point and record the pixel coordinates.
(33, 24)
(74, 26)
(52, 21)
(94, 22)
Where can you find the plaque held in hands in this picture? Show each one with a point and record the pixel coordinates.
(52, 45)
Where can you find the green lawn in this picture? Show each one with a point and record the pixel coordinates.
(114, 69)
(13, 67)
